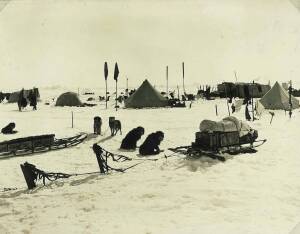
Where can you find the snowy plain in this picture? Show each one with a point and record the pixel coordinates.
(250, 193)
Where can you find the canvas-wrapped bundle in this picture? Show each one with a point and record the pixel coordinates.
(228, 132)
(228, 124)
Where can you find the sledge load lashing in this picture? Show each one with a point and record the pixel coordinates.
(215, 139)
(37, 144)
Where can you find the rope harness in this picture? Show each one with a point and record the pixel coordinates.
(32, 174)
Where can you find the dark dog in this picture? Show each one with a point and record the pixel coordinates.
(151, 144)
(115, 126)
(9, 129)
(130, 140)
(97, 125)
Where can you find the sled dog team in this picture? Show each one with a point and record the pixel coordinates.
(149, 147)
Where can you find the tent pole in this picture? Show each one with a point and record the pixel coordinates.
(290, 99)
(227, 100)
(252, 101)
(105, 94)
(167, 76)
(183, 78)
(116, 94)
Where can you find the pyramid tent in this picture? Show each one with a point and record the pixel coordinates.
(68, 99)
(146, 96)
(277, 98)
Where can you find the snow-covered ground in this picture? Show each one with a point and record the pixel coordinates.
(249, 194)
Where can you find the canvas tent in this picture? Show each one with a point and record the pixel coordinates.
(146, 96)
(14, 97)
(278, 99)
(68, 99)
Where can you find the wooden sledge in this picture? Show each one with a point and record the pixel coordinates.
(37, 144)
(215, 151)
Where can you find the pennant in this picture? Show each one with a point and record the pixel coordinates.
(105, 70)
(116, 73)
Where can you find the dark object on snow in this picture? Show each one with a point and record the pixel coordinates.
(29, 175)
(9, 129)
(90, 99)
(101, 162)
(88, 104)
(37, 144)
(232, 108)
(102, 157)
(68, 99)
(115, 126)
(247, 115)
(32, 174)
(151, 144)
(230, 136)
(130, 140)
(175, 102)
(97, 125)
(22, 102)
(32, 97)
(2, 96)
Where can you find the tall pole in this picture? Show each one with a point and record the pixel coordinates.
(116, 95)
(178, 92)
(105, 94)
(167, 78)
(127, 86)
(227, 100)
(116, 74)
(290, 99)
(252, 100)
(183, 77)
(105, 77)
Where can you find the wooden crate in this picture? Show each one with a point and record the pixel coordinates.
(215, 140)
(229, 139)
(207, 140)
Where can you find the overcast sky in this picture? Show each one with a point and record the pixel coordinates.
(66, 42)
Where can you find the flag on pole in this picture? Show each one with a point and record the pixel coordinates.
(116, 73)
(105, 70)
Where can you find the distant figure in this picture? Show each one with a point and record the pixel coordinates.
(32, 99)
(191, 104)
(151, 144)
(97, 125)
(2, 96)
(232, 108)
(115, 126)
(130, 140)
(9, 129)
(247, 115)
(22, 102)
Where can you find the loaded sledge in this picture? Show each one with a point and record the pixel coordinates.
(216, 139)
(37, 144)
